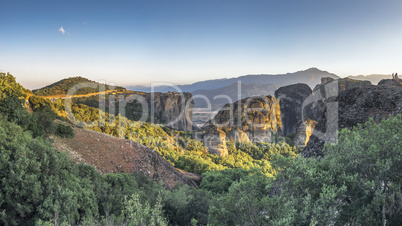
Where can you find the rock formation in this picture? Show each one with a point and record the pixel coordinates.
(291, 100)
(171, 109)
(253, 119)
(215, 141)
(353, 106)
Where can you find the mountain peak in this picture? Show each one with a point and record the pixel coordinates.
(313, 69)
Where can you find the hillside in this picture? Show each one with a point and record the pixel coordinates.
(110, 154)
(63, 86)
(357, 181)
(311, 77)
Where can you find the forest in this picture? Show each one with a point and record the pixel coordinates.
(357, 182)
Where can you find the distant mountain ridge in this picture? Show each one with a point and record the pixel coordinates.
(311, 77)
(63, 86)
(375, 78)
(233, 92)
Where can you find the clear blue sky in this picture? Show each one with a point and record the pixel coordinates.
(138, 42)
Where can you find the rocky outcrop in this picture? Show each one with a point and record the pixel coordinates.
(171, 109)
(215, 141)
(253, 119)
(303, 133)
(353, 106)
(291, 99)
(390, 82)
(237, 135)
(303, 108)
(110, 154)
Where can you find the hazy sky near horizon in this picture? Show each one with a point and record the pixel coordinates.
(143, 41)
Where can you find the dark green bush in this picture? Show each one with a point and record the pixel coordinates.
(64, 131)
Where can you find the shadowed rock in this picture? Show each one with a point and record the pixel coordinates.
(356, 105)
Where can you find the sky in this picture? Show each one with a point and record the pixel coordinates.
(143, 41)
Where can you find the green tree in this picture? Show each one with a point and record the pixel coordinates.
(368, 160)
(138, 214)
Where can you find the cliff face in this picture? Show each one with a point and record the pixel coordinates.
(354, 105)
(252, 119)
(291, 99)
(302, 109)
(171, 109)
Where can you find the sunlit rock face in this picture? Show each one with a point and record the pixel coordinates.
(303, 133)
(215, 141)
(253, 119)
(237, 135)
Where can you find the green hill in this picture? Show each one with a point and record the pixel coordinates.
(61, 87)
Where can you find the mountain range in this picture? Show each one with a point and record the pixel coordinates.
(311, 76)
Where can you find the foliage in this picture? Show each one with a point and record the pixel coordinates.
(64, 131)
(12, 98)
(185, 204)
(38, 182)
(40, 104)
(139, 214)
(242, 204)
(368, 161)
(219, 182)
(63, 86)
(358, 182)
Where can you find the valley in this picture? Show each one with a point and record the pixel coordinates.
(178, 148)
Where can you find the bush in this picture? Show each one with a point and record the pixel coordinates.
(64, 131)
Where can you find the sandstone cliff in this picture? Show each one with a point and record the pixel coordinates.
(253, 119)
(355, 105)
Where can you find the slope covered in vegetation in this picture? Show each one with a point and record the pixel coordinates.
(63, 86)
(176, 146)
